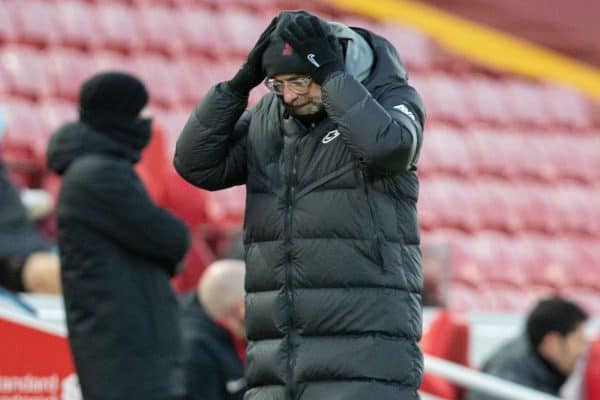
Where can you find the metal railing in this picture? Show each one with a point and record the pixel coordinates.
(481, 382)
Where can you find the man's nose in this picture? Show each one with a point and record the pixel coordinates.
(288, 95)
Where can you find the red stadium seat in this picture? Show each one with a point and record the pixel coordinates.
(69, 69)
(166, 3)
(160, 75)
(414, 48)
(444, 204)
(445, 98)
(8, 31)
(588, 156)
(538, 163)
(487, 100)
(463, 298)
(119, 26)
(464, 265)
(494, 202)
(26, 70)
(497, 261)
(584, 149)
(36, 21)
(575, 210)
(536, 208)
(201, 33)
(585, 273)
(196, 75)
(496, 153)
(544, 260)
(55, 112)
(24, 143)
(161, 29)
(506, 298)
(525, 102)
(79, 24)
(105, 60)
(446, 152)
(173, 122)
(240, 29)
(567, 108)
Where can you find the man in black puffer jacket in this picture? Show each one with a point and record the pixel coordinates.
(333, 306)
(117, 248)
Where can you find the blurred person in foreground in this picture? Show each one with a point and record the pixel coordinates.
(117, 248)
(27, 262)
(329, 160)
(546, 354)
(214, 334)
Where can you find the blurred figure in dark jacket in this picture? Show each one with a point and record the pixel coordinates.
(546, 355)
(214, 334)
(27, 263)
(118, 249)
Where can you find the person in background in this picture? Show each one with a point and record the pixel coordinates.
(329, 159)
(27, 262)
(118, 249)
(547, 353)
(214, 333)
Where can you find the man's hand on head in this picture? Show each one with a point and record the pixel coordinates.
(251, 74)
(314, 41)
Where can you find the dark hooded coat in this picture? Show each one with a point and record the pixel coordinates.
(333, 275)
(118, 251)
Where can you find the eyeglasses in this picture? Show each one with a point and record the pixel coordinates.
(297, 85)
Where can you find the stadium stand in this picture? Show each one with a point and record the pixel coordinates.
(510, 168)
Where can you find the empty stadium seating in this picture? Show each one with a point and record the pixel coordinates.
(78, 24)
(510, 168)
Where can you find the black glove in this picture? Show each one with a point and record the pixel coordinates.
(251, 74)
(317, 45)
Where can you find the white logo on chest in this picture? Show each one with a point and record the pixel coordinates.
(330, 136)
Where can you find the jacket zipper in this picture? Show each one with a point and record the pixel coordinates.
(377, 242)
(290, 194)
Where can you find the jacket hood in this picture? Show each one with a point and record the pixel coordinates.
(76, 139)
(359, 57)
(387, 66)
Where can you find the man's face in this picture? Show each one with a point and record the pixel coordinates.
(300, 94)
(569, 348)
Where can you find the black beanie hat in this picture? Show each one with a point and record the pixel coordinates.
(111, 96)
(280, 58)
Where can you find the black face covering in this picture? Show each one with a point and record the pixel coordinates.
(134, 131)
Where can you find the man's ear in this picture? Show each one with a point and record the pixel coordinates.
(550, 344)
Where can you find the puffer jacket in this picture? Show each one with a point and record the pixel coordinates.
(117, 252)
(333, 306)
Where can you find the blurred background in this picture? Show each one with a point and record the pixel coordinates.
(510, 167)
